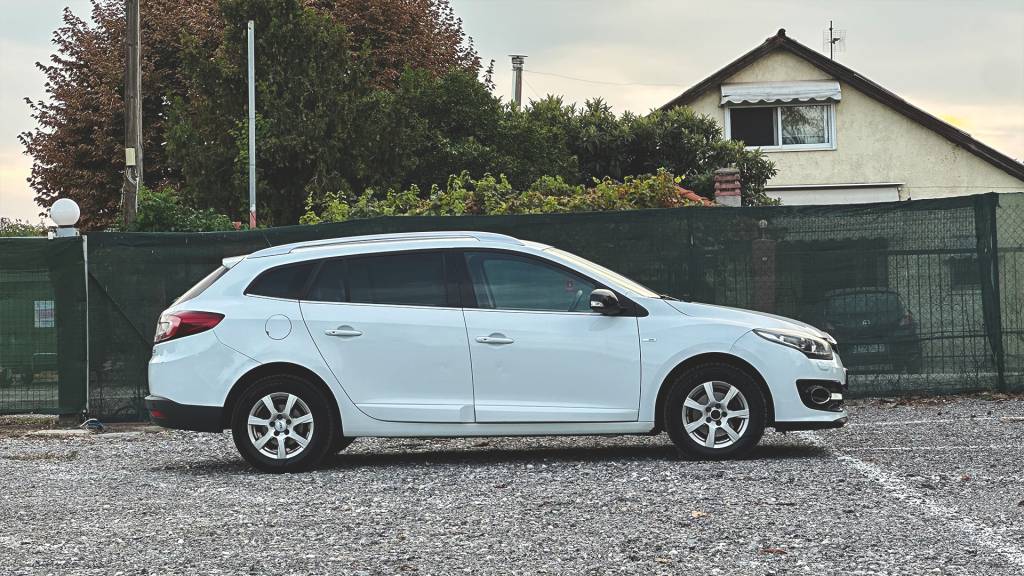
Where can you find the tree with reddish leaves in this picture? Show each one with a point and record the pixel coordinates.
(399, 34)
(78, 146)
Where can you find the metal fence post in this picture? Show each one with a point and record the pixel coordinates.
(988, 267)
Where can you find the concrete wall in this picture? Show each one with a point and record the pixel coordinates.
(874, 143)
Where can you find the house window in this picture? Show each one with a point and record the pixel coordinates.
(807, 127)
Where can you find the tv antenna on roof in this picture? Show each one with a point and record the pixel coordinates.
(833, 40)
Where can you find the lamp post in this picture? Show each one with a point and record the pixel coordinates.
(65, 214)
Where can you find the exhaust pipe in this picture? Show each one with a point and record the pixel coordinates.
(819, 395)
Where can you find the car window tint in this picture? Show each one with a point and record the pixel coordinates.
(413, 279)
(509, 282)
(283, 281)
(329, 285)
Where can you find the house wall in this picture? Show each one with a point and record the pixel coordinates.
(874, 143)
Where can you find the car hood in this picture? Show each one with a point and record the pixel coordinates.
(747, 317)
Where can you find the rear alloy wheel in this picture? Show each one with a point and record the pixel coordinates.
(715, 411)
(283, 424)
(280, 425)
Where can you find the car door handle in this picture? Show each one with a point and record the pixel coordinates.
(343, 332)
(494, 339)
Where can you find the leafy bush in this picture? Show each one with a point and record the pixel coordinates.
(489, 195)
(10, 227)
(162, 211)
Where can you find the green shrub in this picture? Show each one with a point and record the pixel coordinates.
(10, 227)
(162, 211)
(490, 195)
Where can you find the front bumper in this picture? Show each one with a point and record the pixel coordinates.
(170, 414)
(810, 425)
(786, 371)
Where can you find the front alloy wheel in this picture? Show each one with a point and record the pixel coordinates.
(716, 414)
(714, 411)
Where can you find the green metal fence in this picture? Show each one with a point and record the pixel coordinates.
(42, 325)
(924, 296)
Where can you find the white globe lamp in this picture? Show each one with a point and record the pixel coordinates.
(65, 214)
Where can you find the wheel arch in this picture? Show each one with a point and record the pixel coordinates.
(275, 368)
(711, 357)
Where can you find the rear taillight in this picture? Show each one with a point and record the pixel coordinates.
(178, 324)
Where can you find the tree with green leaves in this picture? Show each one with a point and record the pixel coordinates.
(78, 146)
(308, 86)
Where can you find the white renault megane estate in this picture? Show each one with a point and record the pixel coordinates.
(301, 348)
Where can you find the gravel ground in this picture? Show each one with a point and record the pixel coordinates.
(910, 487)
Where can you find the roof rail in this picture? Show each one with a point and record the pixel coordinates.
(394, 237)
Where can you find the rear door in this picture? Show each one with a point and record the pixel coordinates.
(539, 353)
(390, 328)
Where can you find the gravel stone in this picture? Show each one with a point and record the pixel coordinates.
(909, 487)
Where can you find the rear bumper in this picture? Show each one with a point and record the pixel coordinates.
(170, 414)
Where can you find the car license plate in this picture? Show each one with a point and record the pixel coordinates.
(867, 348)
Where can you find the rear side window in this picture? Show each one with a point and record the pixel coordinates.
(413, 279)
(329, 285)
(282, 282)
(203, 284)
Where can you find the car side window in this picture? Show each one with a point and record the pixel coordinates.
(282, 282)
(329, 285)
(415, 279)
(511, 282)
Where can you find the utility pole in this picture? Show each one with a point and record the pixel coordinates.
(252, 125)
(517, 78)
(132, 114)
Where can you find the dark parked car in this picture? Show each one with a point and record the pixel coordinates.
(873, 328)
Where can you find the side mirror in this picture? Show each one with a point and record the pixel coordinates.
(605, 301)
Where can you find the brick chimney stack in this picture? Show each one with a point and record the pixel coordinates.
(727, 187)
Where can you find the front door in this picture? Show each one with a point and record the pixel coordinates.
(385, 327)
(539, 353)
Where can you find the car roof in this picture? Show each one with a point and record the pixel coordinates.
(397, 240)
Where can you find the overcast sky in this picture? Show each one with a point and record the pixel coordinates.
(960, 60)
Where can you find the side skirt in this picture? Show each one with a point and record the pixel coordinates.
(421, 430)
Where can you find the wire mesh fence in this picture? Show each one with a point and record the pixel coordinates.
(923, 296)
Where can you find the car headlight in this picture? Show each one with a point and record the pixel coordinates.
(811, 346)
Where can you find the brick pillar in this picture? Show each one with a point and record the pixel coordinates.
(727, 187)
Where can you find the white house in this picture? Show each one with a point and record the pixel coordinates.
(837, 137)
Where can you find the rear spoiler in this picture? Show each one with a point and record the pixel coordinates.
(230, 262)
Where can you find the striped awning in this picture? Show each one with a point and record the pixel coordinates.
(768, 92)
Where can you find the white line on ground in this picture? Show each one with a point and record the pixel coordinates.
(983, 535)
(939, 421)
(911, 448)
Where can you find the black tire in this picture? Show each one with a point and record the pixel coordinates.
(686, 382)
(321, 435)
(341, 442)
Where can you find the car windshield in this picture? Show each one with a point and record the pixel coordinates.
(885, 303)
(588, 266)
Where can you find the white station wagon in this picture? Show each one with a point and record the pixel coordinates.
(301, 348)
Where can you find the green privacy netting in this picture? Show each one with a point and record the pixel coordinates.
(42, 325)
(924, 296)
